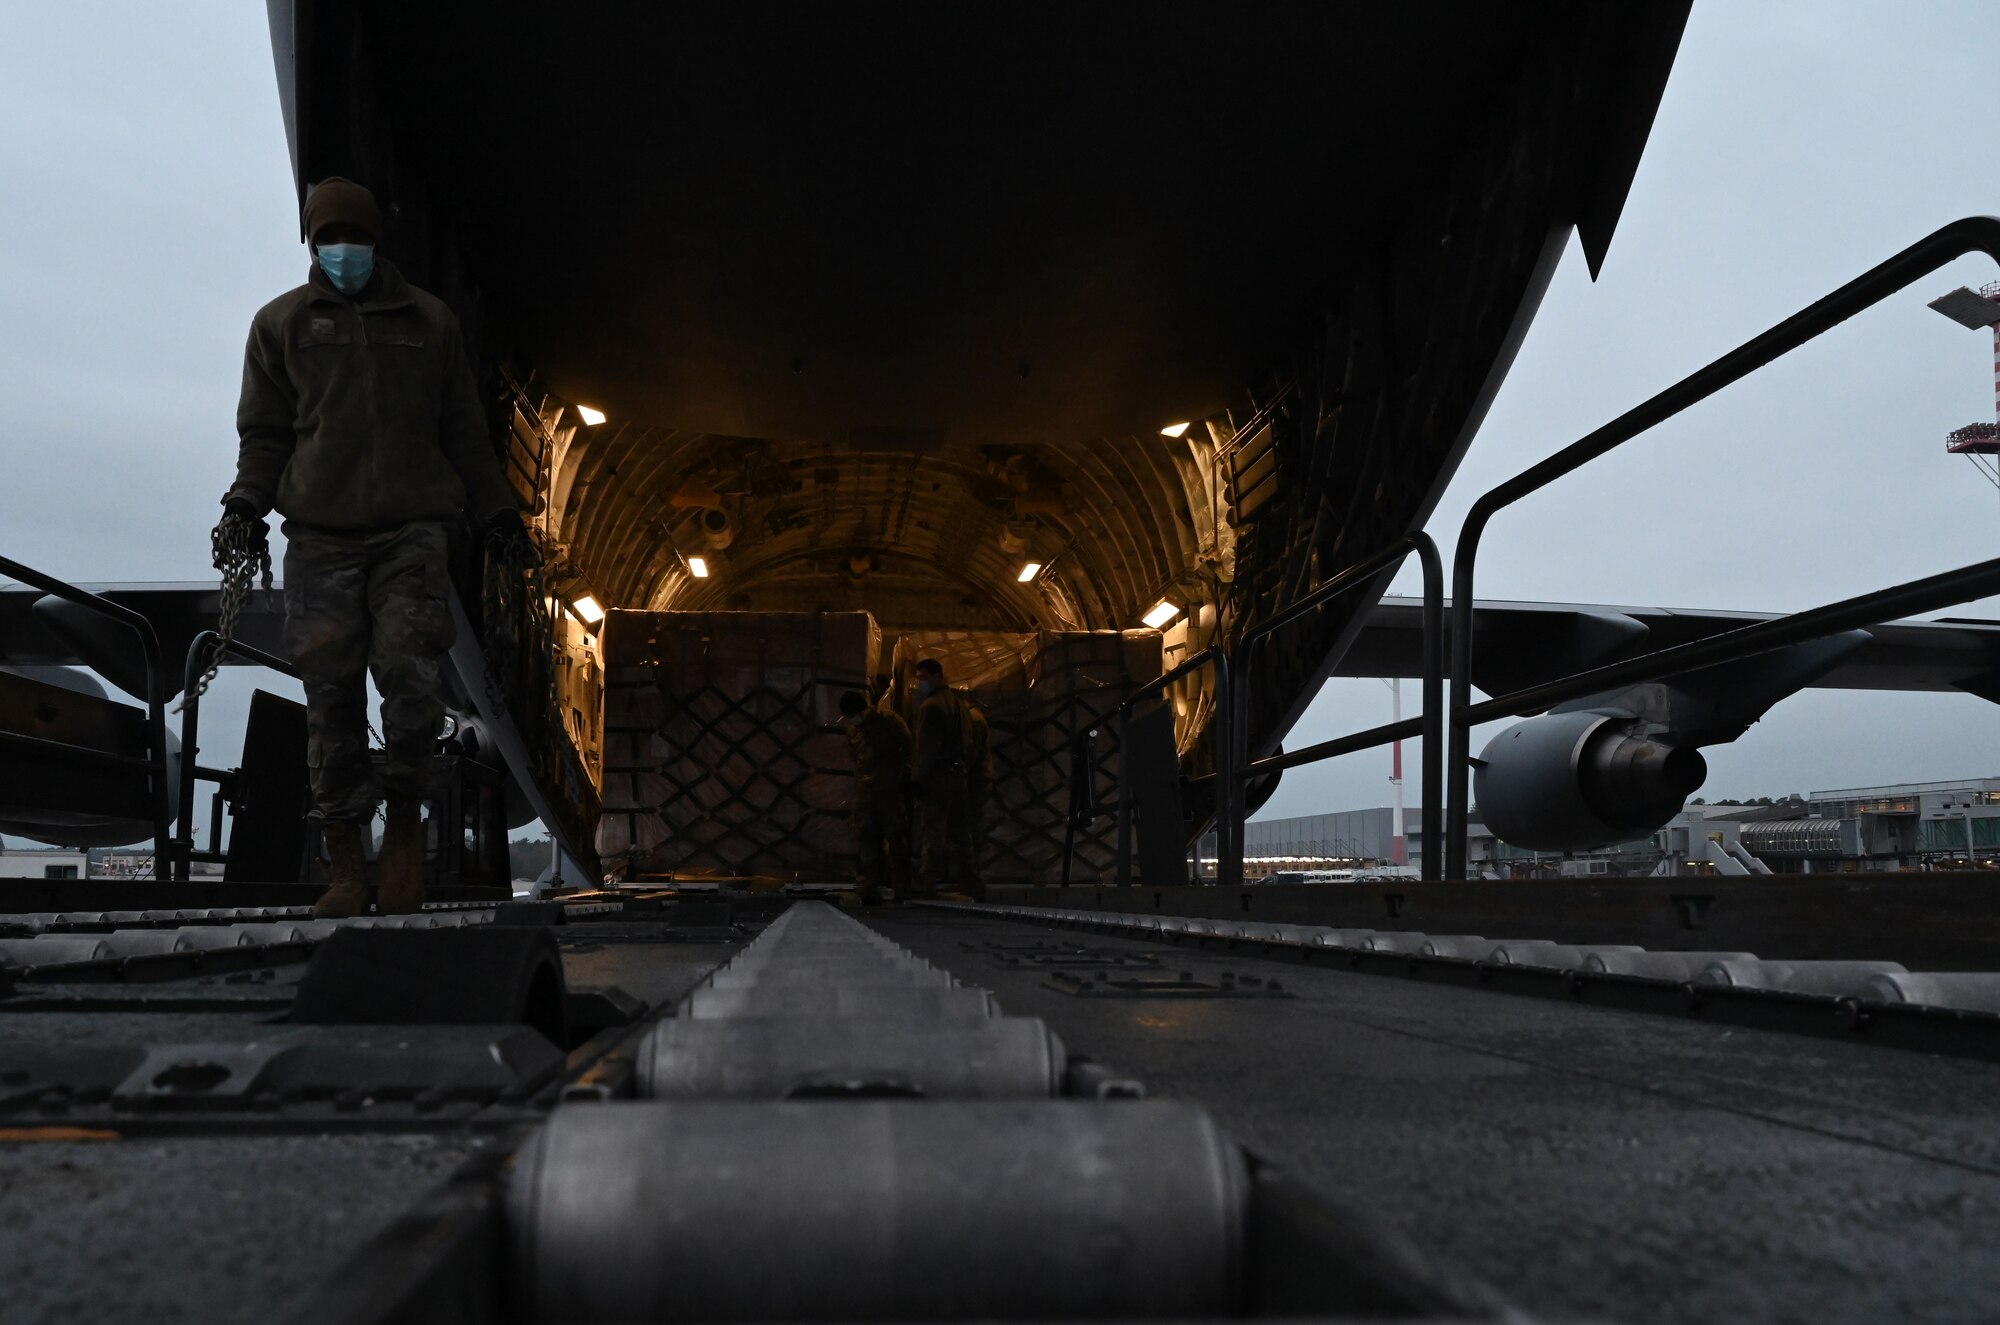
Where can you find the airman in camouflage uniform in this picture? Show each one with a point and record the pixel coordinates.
(978, 787)
(360, 424)
(938, 782)
(880, 745)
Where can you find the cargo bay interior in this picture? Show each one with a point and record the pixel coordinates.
(1184, 316)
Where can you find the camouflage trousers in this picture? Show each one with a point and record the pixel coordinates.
(946, 836)
(976, 795)
(358, 604)
(882, 832)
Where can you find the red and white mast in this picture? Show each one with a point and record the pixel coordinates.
(1396, 760)
(1977, 442)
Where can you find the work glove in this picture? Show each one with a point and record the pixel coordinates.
(507, 534)
(239, 519)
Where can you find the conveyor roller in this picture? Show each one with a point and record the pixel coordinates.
(915, 1003)
(781, 1057)
(822, 975)
(878, 1210)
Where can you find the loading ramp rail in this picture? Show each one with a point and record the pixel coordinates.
(205, 648)
(155, 764)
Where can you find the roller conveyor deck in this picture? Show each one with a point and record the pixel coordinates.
(1102, 1124)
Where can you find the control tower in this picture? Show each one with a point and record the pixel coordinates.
(1977, 309)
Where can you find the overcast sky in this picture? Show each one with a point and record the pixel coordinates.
(1798, 144)
(147, 211)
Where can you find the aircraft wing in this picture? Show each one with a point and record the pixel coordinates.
(1517, 644)
(179, 611)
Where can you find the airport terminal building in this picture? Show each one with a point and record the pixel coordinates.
(1910, 823)
(1348, 838)
(1906, 825)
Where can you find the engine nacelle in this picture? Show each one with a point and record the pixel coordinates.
(42, 820)
(77, 829)
(1573, 781)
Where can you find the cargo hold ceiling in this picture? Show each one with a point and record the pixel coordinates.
(931, 276)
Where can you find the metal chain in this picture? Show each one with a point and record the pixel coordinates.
(520, 639)
(499, 621)
(514, 615)
(242, 550)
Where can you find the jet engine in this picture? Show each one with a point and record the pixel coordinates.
(1573, 781)
(37, 795)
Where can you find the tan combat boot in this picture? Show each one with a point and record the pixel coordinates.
(400, 865)
(349, 894)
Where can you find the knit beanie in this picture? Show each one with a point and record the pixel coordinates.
(337, 201)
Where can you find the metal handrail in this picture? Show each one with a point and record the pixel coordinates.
(1234, 770)
(1973, 234)
(200, 653)
(156, 696)
(1213, 656)
(1427, 726)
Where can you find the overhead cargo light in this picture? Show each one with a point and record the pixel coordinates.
(1029, 572)
(1175, 429)
(587, 610)
(698, 567)
(1162, 614)
(591, 417)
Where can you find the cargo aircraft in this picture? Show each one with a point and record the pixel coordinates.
(1067, 348)
(1113, 355)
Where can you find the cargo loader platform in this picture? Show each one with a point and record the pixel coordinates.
(755, 1110)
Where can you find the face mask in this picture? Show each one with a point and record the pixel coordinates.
(348, 266)
(924, 688)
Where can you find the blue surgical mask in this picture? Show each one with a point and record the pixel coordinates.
(924, 688)
(348, 266)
